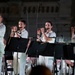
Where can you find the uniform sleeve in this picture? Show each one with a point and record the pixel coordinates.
(53, 34)
(2, 31)
(24, 34)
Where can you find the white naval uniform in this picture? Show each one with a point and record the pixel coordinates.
(21, 56)
(24, 34)
(2, 33)
(48, 61)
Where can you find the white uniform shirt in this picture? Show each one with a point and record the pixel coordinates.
(24, 33)
(2, 32)
(50, 34)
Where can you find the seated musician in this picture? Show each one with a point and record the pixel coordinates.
(46, 36)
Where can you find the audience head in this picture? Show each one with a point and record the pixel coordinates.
(40, 70)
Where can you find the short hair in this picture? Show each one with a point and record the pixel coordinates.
(23, 21)
(40, 70)
(50, 22)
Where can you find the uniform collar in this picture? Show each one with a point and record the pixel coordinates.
(1, 24)
(23, 30)
(49, 32)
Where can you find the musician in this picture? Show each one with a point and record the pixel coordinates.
(71, 62)
(23, 33)
(2, 33)
(14, 33)
(46, 35)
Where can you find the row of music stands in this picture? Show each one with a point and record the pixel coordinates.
(57, 50)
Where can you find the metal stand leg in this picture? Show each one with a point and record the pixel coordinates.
(56, 71)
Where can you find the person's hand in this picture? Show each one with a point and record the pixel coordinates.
(69, 62)
(38, 31)
(42, 30)
(17, 35)
(72, 29)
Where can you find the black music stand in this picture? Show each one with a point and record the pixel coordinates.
(32, 50)
(59, 50)
(69, 53)
(50, 50)
(59, 53)
(17, 45)
(40, 48)
(36, 48)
